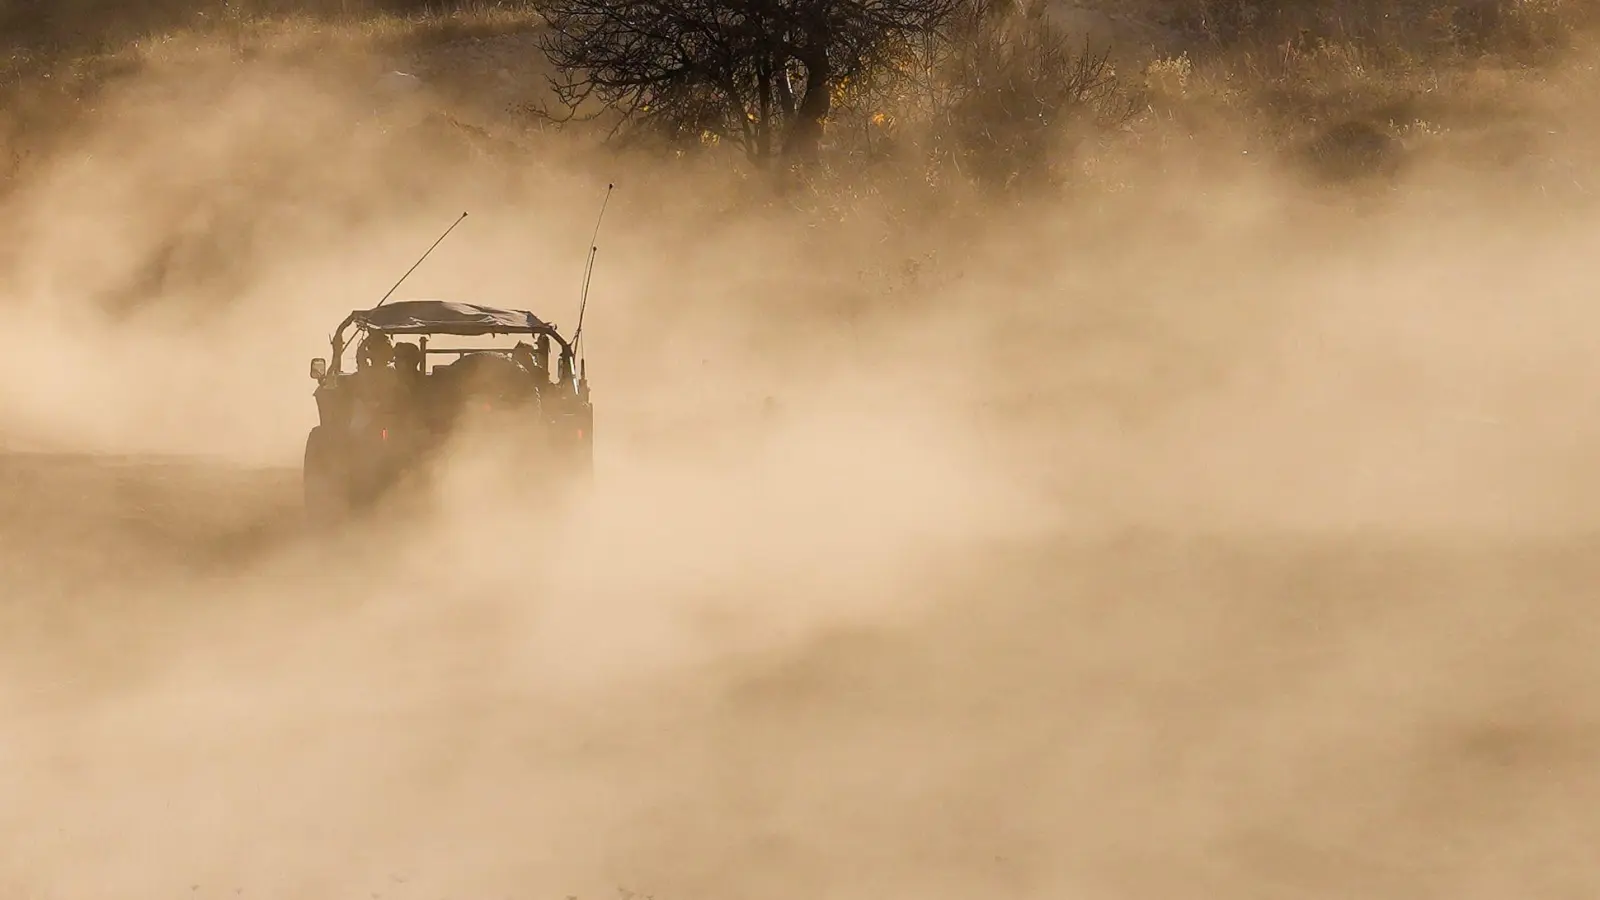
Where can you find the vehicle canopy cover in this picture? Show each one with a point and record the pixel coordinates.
(446, 317)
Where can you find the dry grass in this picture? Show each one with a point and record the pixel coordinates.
(1360, 88)
(1401, 28)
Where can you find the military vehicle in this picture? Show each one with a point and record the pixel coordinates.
(415, 385)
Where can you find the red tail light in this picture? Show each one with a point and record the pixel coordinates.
(384, 434)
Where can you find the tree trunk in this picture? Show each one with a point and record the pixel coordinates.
(805, 132)
(764, 126)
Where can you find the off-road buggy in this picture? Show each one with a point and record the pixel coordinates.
(388, 419)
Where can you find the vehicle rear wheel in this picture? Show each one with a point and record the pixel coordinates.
(326, 489)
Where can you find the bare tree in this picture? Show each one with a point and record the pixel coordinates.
(761, 74)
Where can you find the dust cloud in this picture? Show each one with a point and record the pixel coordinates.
(1228, 541)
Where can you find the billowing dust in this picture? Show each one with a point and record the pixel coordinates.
(1225, 541)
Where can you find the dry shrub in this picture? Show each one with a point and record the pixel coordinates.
(1018, 96)
(1008, 102)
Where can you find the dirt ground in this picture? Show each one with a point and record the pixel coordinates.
(207, 704)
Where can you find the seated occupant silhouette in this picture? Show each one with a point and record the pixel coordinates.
(375, 352)
(528, 359)
(377, 387)
(536, 363)
(409, 401)
(408, 360)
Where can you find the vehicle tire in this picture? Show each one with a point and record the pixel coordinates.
(323, 479)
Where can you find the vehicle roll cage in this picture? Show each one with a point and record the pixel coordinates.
(340, 344)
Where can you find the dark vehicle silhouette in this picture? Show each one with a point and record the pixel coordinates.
(390, 417)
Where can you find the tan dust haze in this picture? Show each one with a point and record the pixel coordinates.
(1225, 541)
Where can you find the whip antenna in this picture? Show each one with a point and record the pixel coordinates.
(588, 269)
(419, 261)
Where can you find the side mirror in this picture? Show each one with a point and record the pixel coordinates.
(319, 368)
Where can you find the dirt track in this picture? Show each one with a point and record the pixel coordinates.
(1149, 716)
(181, 511)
